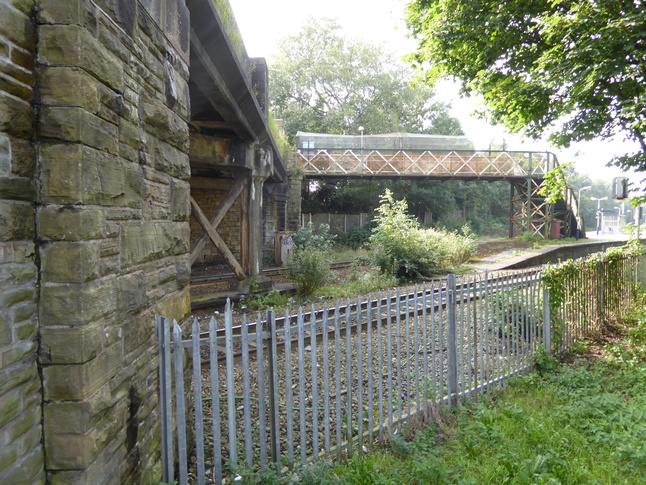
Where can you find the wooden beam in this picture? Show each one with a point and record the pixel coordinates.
(201, 241)
(217, 240)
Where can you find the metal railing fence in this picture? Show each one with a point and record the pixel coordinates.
(286, 389)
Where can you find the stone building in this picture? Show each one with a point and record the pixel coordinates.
(118, 120)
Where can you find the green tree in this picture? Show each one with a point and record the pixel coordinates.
(575, 70)
(324, 82)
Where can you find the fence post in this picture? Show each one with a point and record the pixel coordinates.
(547, 327)
(272, 387)
(451, 344)
(165, 399)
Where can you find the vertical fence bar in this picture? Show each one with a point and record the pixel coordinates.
(348, 381)
(326, 377)
(416, 350)
(398, 329)
(165, 398)
(272, 367)
(547, 327)
(425, 346)
(180, 405)
(246, 392)
(434, 293)
(337, 357)
(409, 357)
(389, 349)
(260, 369)
(301, 382)
(315, 395)
(452, 357)
(380, 367)
(197, 404)
(442, 295)
(371, 377)
(289, 398)
(231, 393)
(359, 378)
(215, 402)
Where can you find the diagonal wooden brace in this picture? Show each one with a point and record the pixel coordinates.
(217, 240)
(201, 241)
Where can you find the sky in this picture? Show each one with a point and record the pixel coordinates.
(263, 23)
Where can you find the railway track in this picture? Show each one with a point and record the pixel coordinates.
(270, 272)
(352, 312)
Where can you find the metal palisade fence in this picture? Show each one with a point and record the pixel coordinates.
(284, 389)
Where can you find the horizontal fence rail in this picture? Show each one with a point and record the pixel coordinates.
(284, 389)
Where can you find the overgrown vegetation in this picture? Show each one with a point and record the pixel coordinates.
(310, 263)
(399, 245)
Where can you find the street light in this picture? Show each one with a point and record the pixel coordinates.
(598, 199)
(578, 219)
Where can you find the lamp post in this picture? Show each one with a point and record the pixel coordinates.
(598, 199)
(578, 217)
(361, 145)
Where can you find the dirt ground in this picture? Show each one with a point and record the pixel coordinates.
(489, 248)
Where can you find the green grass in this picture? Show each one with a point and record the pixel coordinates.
(582, 422)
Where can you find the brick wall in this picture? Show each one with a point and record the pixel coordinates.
(209, 193)
(21, 453)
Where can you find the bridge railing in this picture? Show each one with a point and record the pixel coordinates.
(425, 163)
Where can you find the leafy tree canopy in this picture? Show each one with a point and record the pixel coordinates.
(324, 82)
(573, 69)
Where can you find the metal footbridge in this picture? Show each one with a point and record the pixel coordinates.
(422, 157)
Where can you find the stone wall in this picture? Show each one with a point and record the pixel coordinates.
(21, 452)
(94, 233)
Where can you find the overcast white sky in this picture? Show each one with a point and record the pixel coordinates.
(263, 23)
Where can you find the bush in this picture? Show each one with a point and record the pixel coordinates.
(401, 247)
(309, 267)
(322, 239)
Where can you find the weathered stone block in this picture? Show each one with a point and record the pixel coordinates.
(130, 134)
(147, 241)
(79, 381)
(9, 409)
(77, 174)
(8, 458)
(16, 88)
(26, 421)
(16, 26)
(164, 123)
(15, 116)
(169, 160)
(70, 223)
(17, 375)
(13, 296)
(28, 329)
(76, 304)
(18, 351)
(76, 12)
(70, 45)
(5, 154)
(176, 306)
(71, 345)
(73, 124)
(69, 86)
(179, 197)
(131, 293)
(16, 221)
(22, 157)
(30, 469)
(16, 188)
(70, 262)
(15, 275)
(5, 329)
(78, 417)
